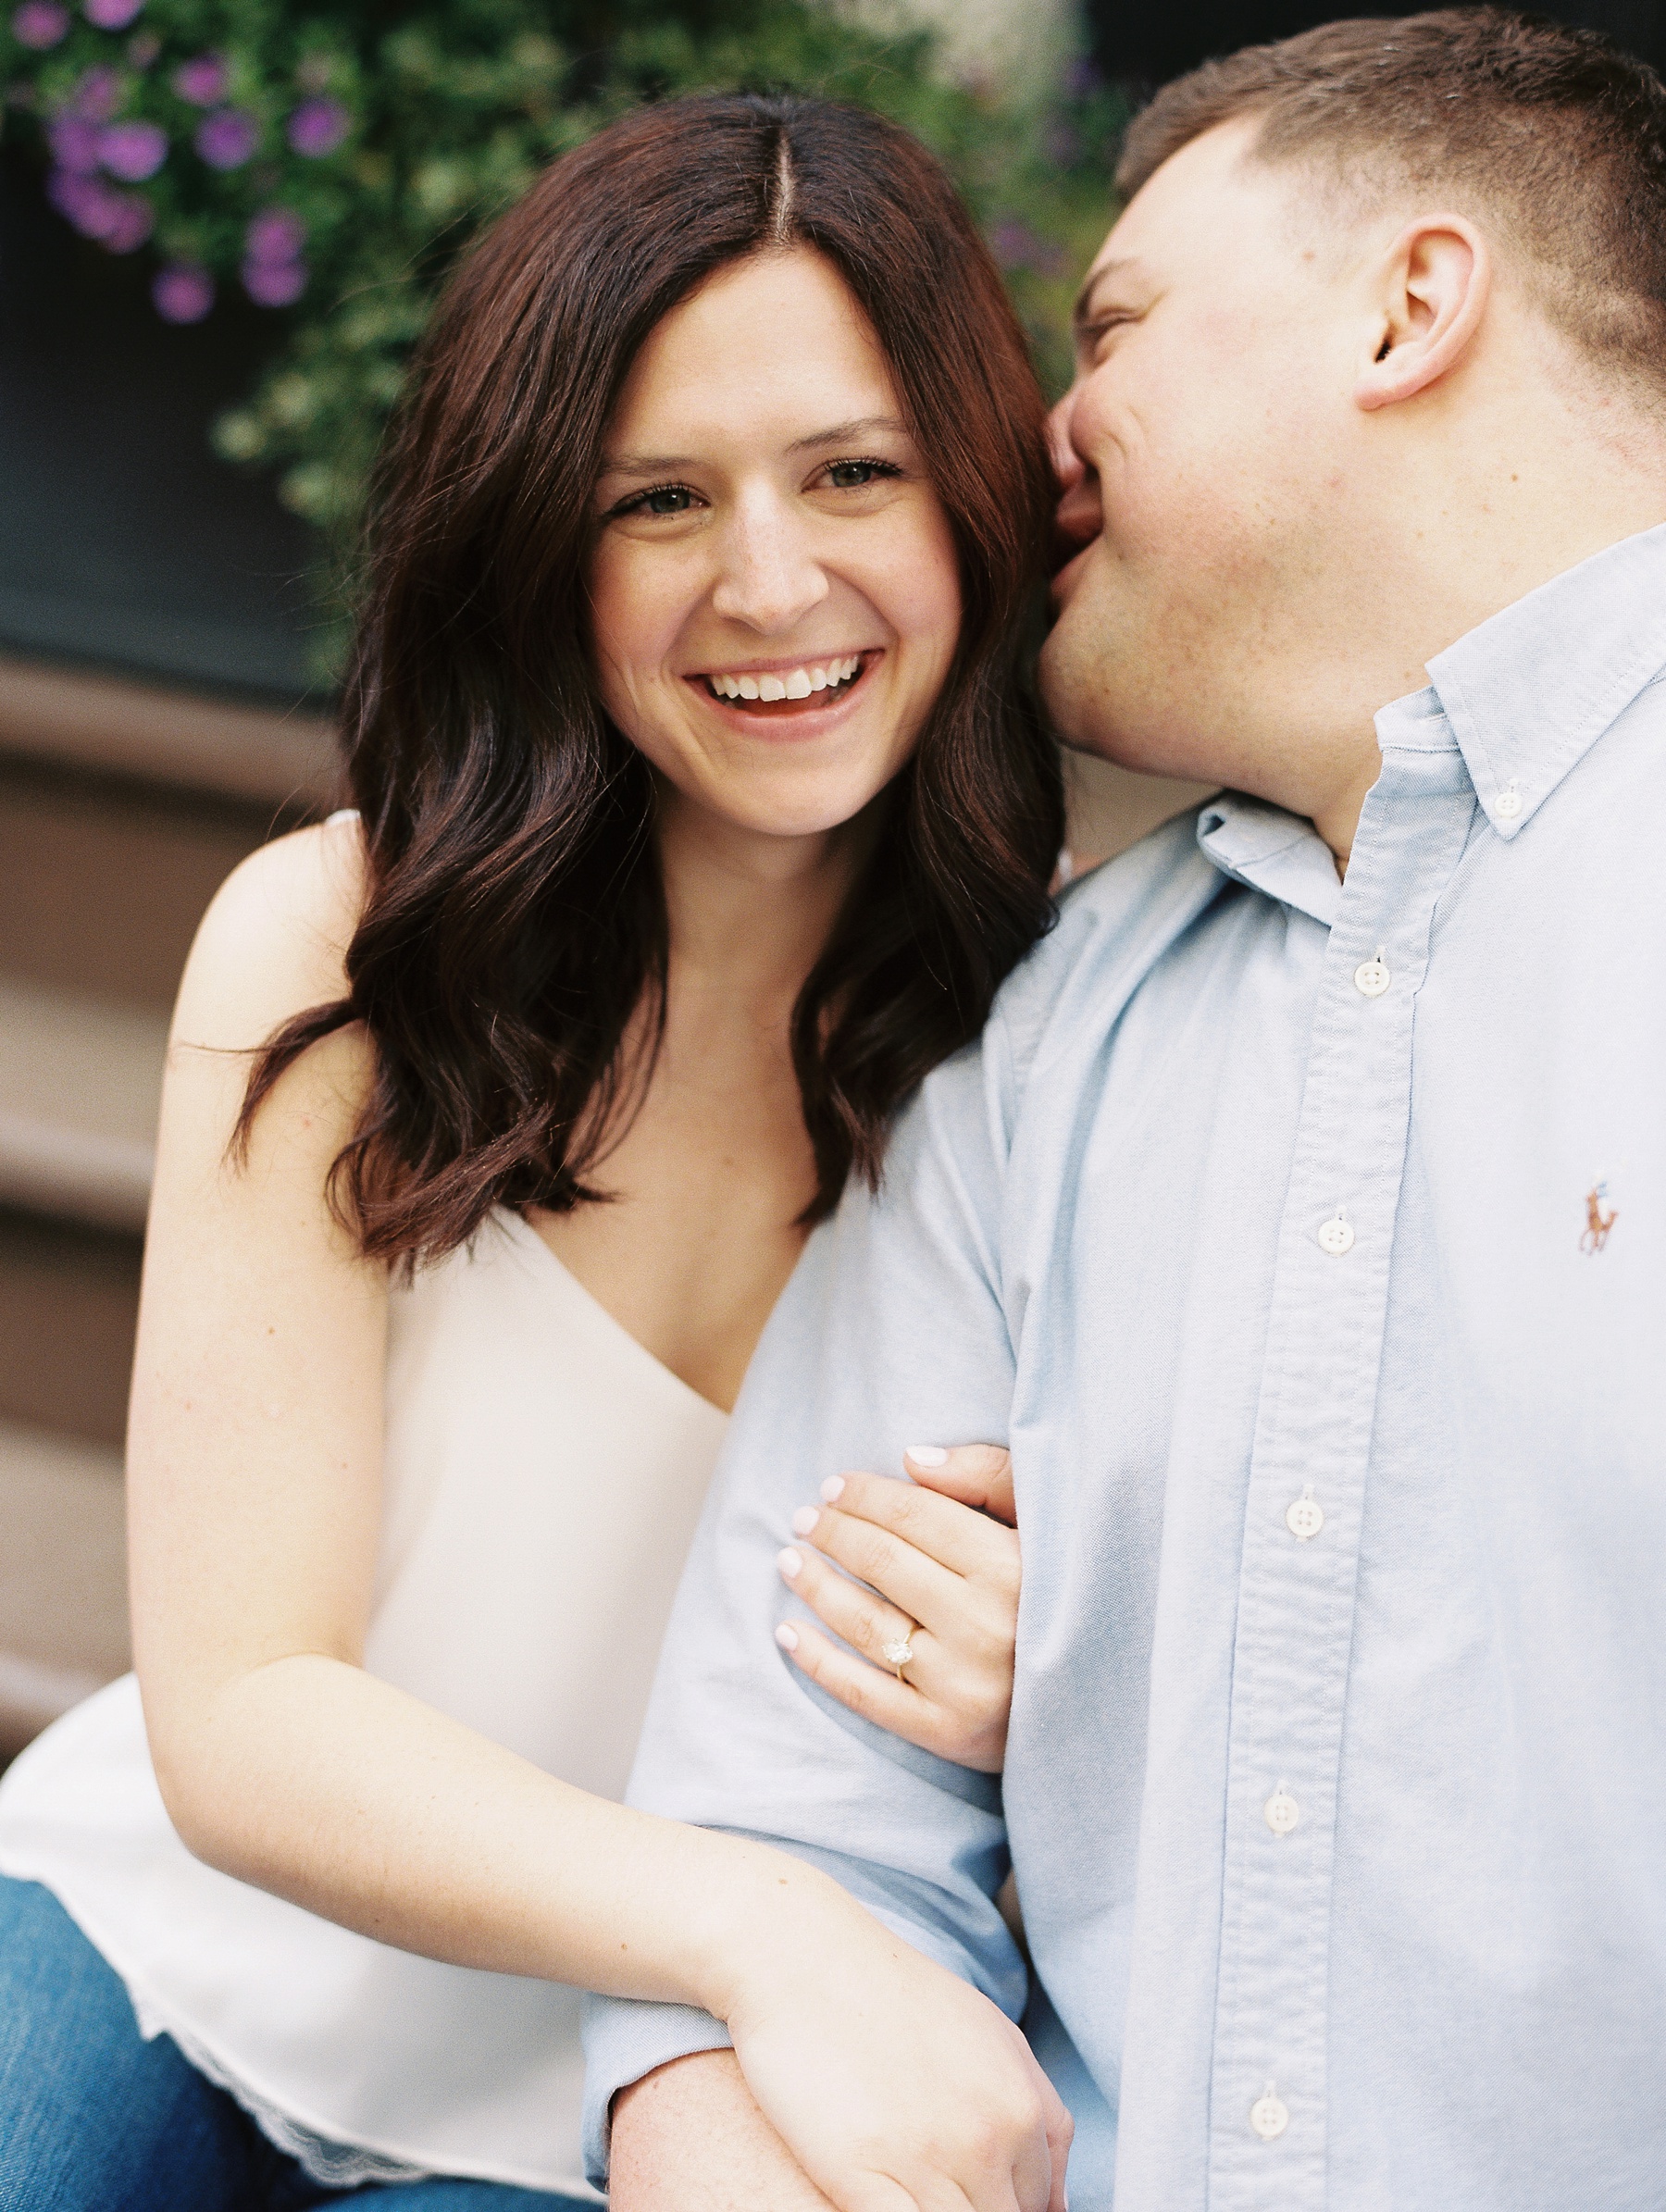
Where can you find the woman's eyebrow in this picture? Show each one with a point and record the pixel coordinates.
(841, 433)
(644, 464)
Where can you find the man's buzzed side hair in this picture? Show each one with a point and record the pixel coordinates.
(1552, 132)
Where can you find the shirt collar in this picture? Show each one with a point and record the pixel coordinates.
(1528, 693)
(1259, 844)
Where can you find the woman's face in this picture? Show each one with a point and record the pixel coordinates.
(775, 598)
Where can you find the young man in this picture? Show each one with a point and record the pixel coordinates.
(1301, 1220)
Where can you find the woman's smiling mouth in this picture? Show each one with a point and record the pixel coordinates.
(809, 685)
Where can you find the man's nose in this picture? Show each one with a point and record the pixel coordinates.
(1080, 516)
(770, 577)
(1068, 462)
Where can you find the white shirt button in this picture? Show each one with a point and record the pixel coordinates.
(1306, 1517)
(1269, 2116)
(1508, 804)
(1281, 1811)
(1336, 1236)
(1372, 977)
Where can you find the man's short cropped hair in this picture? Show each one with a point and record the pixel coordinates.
(1552, 133)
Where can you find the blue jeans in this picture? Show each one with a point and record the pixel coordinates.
(94, 2119)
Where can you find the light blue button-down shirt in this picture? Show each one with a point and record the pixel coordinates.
(1325, 1313)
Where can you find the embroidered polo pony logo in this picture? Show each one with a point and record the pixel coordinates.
(1597, 1222)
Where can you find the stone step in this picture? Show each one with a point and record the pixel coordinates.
(79, 1084)
(181, 740)
(68, 1308)
(63, 1577)
(103, 884)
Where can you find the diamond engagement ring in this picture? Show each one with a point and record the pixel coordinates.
(897, 1654)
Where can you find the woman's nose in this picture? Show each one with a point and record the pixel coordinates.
(770, 577)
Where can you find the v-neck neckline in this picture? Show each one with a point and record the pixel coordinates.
(518, 1222)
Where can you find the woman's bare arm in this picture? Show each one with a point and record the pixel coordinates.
(254, 1471)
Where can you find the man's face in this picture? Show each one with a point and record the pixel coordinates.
(1203, 447)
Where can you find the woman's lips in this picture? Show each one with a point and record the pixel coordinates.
(772, 685)
(789, 699)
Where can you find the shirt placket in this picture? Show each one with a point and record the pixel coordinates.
(1306, 1494)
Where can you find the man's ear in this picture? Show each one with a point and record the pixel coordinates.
(1433, 288)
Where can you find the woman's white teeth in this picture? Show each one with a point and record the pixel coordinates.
(797, 684)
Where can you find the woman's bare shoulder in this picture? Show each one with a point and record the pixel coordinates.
(274, 941)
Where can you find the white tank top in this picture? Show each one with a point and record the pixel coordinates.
(543, 1475)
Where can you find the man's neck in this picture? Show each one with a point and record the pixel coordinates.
(1486, 575)
(1520, 472)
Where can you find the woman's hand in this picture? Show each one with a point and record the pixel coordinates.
(897, 2086)
(938, 1569)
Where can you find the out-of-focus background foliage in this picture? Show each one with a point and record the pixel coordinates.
(222, 222)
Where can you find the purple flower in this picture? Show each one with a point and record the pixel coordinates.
(95, 94)
(202, 80)
(131, 223)
(87, 203)
(274, 283)
(111, 15)
(132, 151)
(227, 138)
(75, 143)
(182, 292)
(121, 220)
(39, 24)
(317, 126)
(1015, 246)
(273, 273)
(274, 236)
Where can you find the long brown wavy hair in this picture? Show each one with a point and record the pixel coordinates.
(515, 921)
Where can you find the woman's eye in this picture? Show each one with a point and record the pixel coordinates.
(851, 475)
(665, 499)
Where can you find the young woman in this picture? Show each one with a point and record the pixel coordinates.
(699, 813)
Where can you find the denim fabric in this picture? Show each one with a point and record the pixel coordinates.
(94, 2119)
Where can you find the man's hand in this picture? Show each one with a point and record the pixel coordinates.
(690, 2138)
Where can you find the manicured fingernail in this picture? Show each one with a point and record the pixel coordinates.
(926, 1455)
(791, 1562)
(805, 1521)
(787, 1637)
(833, 1488)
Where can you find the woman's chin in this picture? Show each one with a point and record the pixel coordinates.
(815, 807)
